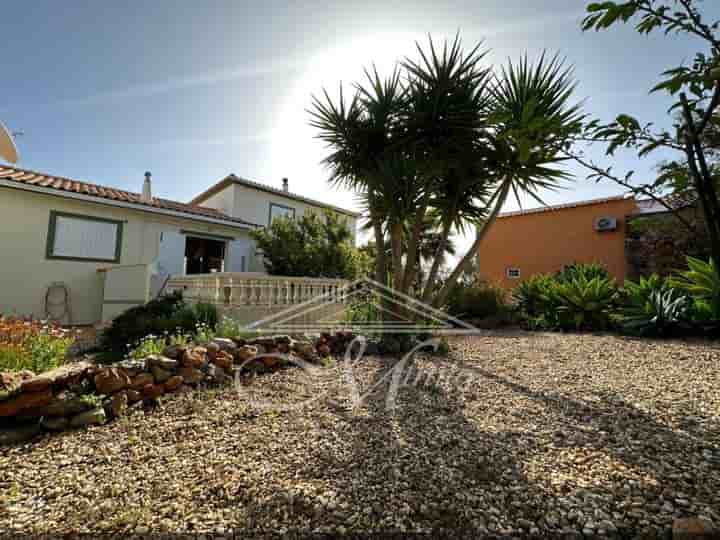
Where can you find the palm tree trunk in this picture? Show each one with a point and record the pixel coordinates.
(380, 261)
(412, 247)
(502, 194)
(437, 259)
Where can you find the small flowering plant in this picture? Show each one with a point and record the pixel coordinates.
(152, 344)
(32, 344)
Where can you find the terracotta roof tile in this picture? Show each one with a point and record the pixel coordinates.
(22, 176)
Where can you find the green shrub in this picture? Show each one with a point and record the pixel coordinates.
(588, 271)
(156, 345)
(637, 294)
(477, 301)
(314, 245)
(32, 344)
(163, 316)
(659, 313)
(702, 282)
(583, 302)
(206, 314)
(204, 333)
(531, 296)
(581, 297)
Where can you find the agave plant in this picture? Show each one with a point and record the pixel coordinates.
(584, 302)
(531, 296)
(589, 270)
(702, 282)
(663, 310)
(637, 293)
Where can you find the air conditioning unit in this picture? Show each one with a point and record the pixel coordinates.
(605, 223)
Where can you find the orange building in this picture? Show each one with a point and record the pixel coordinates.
(544, 240)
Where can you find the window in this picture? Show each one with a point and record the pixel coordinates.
(278, 210)
(84, 238)
(512, 272)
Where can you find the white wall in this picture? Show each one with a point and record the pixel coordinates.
(25, 272)
(253, 205)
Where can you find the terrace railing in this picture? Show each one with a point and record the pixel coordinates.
(250, 297)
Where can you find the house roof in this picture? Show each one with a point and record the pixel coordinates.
(555, 207)
(233, 179)
(66, 186)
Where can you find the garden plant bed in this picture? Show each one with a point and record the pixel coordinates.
(583, 433)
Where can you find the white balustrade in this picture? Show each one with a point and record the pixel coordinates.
(248, 297)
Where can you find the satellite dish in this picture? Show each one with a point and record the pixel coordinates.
(8, 150)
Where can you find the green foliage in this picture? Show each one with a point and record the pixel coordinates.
(31, 344)
(46, 351)
(312, 246)
(162, 316)
(477, 301)
(206, 313)
(91, 400)
(147, 346)
(655, 311)
(694, 87)
(362, 311)
(231, 329)
(531, 296)
(39, 353)
(583, 302)
(581, 297)
(204, 333)
(445, 135)
(702, 282)
(638, 293)
(588, 271)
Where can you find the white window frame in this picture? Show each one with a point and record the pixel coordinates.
(52, 237)
(513, 272)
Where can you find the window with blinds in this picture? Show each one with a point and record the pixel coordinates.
(84, 238)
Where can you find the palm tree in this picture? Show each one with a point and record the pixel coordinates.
(444, 136)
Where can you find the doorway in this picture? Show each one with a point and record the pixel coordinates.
(204, 255)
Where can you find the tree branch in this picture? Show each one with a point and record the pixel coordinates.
(599, 171)
(700, 32)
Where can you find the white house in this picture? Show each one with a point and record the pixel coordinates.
(85, 252)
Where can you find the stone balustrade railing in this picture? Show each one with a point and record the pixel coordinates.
(240, 289)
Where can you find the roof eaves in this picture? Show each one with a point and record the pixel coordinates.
(41, 182)
(565, 206)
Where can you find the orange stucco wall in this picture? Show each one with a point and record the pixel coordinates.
(543, 242)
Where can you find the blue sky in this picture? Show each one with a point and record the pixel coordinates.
(195, 90)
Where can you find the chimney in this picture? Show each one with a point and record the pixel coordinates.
(147, 188)
(285, 184)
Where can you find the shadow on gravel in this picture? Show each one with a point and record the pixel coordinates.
(686, 453)
(422, 467)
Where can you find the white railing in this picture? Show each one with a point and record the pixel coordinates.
(247, 296)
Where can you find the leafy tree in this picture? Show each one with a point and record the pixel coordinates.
(445, 135)
(696, 89)
(312, 246)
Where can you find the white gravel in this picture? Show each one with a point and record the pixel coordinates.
(591, 435)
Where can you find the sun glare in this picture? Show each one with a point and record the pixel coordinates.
(327, 69)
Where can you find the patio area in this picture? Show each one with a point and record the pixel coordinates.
(585, 434)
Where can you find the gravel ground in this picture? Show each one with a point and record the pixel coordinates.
(532, 433)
